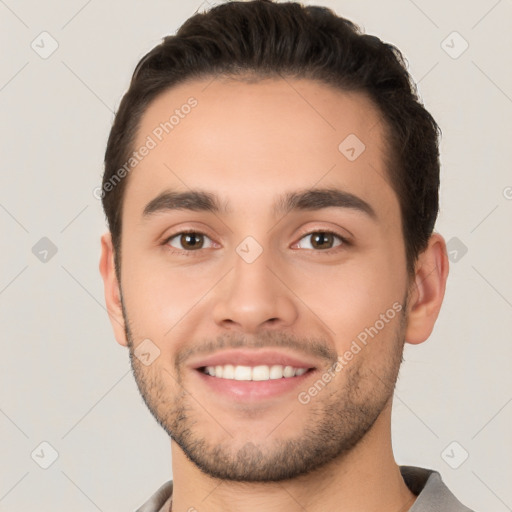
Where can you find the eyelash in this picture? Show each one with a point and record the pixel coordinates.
(172, 250)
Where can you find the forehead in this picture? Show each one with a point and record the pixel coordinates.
(246, 140)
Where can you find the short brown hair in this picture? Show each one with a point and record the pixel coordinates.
(264, 39)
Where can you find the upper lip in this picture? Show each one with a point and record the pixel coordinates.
(239, 357)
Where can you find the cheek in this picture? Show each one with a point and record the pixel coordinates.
(159, 297)
(351, 297)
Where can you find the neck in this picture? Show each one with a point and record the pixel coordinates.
(366, 479)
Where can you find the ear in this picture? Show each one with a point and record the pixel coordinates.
(112, 289)
(427, 291)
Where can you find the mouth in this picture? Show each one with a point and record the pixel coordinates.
(253, 373)
(246, 384)
(248, 375)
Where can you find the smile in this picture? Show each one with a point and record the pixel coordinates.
(253, 373)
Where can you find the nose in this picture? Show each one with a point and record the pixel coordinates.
(253, 296)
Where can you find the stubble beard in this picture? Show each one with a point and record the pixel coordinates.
(338, 418)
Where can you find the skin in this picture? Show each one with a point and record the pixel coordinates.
(249, 143)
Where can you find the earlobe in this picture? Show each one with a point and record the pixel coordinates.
(427, 292)
(112, 289)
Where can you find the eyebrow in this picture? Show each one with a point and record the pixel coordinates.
(310, 199)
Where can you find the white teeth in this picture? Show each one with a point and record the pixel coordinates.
(242, 373)
(288, 371)
(228, 372)
(276, 372)
(258, 373)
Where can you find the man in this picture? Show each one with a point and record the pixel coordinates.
(271, 188)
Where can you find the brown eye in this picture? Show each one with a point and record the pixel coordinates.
(322, 240)
(188, 241)
(191, 240)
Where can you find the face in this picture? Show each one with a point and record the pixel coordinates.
(263, 274)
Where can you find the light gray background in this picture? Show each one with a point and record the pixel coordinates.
(64, 379)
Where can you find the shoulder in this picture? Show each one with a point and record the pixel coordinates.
(159, 501)
(432, 493)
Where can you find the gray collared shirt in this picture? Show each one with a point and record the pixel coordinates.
(432, 494)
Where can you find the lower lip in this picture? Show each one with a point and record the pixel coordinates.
(250, 390)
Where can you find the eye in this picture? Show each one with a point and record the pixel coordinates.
(322, 240)
(189, 241)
